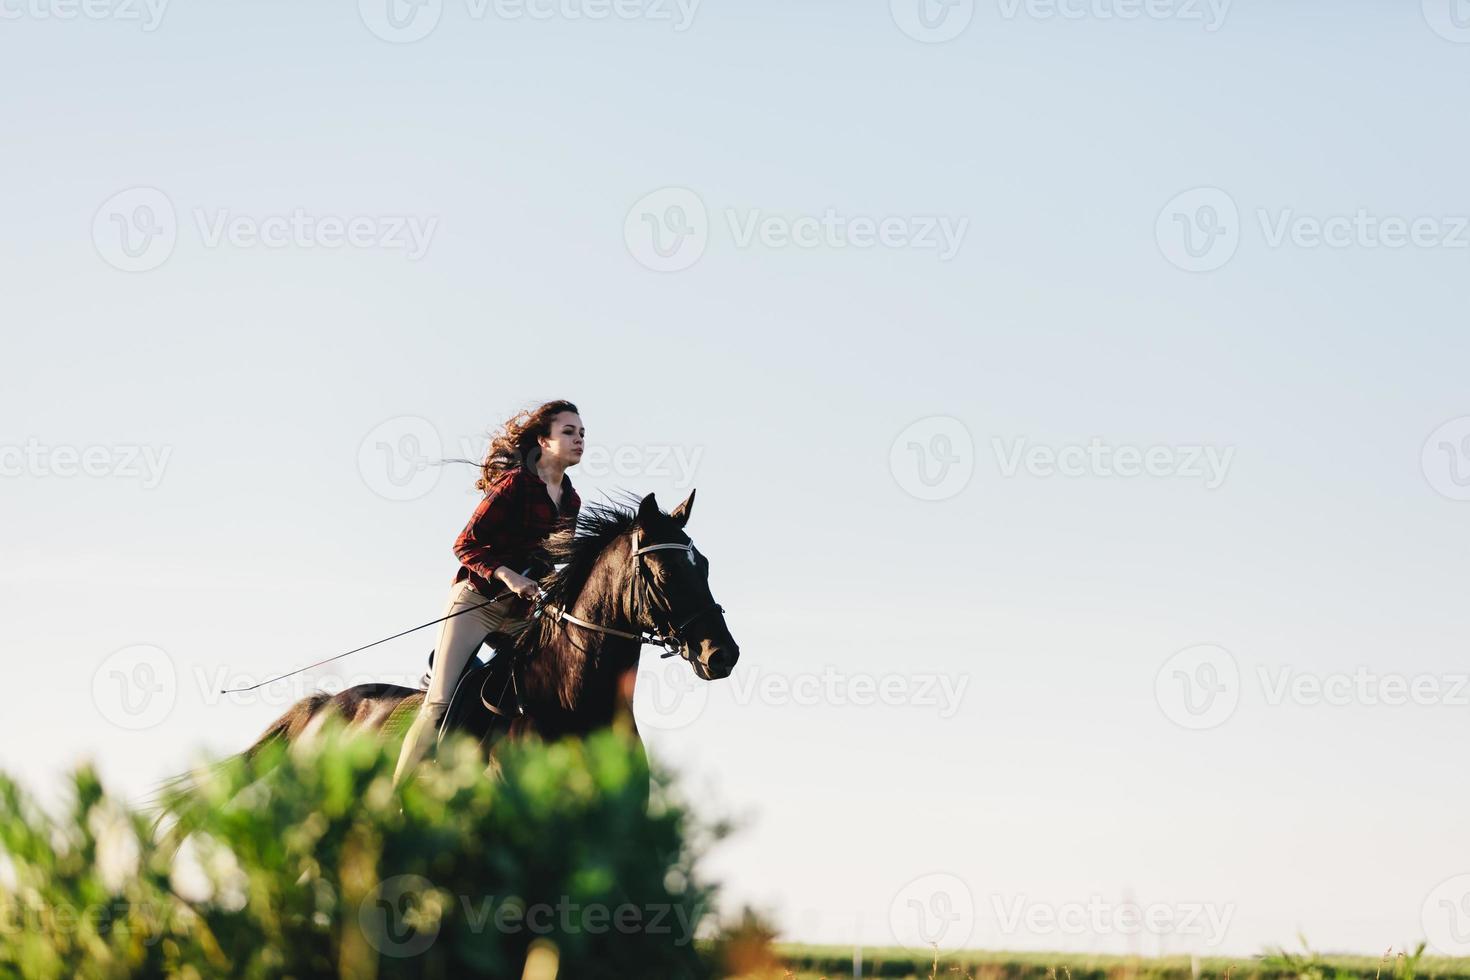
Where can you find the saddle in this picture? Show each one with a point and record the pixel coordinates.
(487, 696)
(495, 641)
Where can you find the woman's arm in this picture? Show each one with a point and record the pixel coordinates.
(484, 545)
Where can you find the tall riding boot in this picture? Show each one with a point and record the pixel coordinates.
(422, 735)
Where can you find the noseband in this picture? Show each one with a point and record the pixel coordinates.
(672, 641)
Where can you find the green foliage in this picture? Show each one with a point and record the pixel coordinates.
(62, 913)
(1305, 965)
(307, 863)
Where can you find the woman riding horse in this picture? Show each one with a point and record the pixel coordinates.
(528, 496)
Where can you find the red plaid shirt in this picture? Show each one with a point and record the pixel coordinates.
(515, 518)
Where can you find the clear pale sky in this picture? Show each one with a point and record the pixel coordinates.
(791, 375)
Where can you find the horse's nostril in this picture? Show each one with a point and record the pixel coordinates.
(722, 662)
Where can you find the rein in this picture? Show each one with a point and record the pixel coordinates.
(673, 642)
(365, 646)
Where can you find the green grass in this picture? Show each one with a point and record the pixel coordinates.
(806, 962)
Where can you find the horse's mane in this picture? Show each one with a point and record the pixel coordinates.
(576, 549)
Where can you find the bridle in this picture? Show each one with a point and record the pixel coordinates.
(672, 640)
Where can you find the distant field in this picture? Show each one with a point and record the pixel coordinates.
(812, 962)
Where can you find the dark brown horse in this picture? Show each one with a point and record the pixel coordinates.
(627, 576)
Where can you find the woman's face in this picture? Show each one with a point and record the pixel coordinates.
(564, 443)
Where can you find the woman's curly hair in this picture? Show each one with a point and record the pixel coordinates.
(514, 443)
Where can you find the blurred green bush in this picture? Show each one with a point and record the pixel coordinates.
(306, 863)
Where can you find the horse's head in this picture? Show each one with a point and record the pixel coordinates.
(672, 577)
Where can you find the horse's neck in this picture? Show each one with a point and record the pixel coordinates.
(587, 673)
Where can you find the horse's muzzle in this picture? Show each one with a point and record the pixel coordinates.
(718, 662)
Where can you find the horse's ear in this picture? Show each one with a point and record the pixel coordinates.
(680, 514)
(648, 512)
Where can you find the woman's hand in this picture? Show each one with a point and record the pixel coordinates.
(524, 587)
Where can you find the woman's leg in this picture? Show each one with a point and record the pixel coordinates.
(459, 638)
